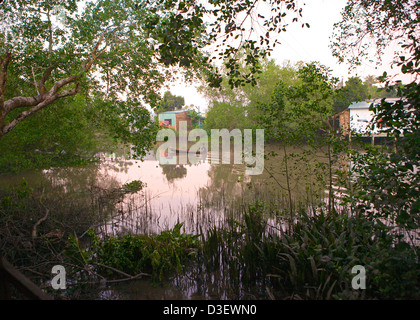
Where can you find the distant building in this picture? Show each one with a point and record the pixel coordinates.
(357, 118)
(171, 119)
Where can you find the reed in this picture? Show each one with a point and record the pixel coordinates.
(254, 259)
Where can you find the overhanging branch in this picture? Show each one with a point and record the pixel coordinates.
(44, 97)
(47, 101)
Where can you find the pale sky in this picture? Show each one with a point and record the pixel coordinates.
(303, 44)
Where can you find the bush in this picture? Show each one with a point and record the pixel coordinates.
(134, 254)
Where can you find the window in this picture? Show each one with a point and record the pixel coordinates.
(167, 122)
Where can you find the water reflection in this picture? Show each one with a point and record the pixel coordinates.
(201, 194)
(174, 171)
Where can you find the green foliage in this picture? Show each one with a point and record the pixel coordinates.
(237, 107)
(14, 199)
(225, 116)
(130, 123)
(357, 90)
(159, 255)
(133, 186)
(298, 112)
(64, 134)
(71, 133)
(75, 251)
(170, 102)
(50, 51)
(316, 258)
(387, 181)
(387, 185)
(313, 259)
(197, 118)
(353, 91)
(298, 115)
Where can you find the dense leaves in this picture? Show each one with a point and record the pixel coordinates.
(299, 112)
(125, 49)
(60, 135)
(171, 102)
(158, 255)
(388, 182)
(237, 107)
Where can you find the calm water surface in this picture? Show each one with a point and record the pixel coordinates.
(197, 194)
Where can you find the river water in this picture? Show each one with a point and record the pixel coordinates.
(197, 194)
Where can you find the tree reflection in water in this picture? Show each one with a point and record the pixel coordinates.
(174, 171)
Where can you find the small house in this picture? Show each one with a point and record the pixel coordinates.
(171, 119)
(357, 118)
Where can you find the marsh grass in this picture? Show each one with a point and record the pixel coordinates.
(311, 260)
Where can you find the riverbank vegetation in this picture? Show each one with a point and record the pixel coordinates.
(257, 254)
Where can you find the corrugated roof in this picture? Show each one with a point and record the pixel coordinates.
(360, 105)
(366, 104)
(176, 111)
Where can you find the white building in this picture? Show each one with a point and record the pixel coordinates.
(357, 118)
(361, 117)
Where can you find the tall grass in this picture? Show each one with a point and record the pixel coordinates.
(311, 260)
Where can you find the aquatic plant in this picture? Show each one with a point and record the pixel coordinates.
(158, 255)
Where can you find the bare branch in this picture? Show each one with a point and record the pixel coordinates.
(34, 228)
(35, 83)
(45, 102)
(45, 77)
(50, 33)
(4, 63)
(94, 54)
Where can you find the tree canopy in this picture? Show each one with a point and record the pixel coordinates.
(298, 111)
(171, 102)
(387, 182)
(125, 50)
(237, 107)
(368, 27)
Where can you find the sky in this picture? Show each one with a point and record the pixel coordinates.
(303, 44)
